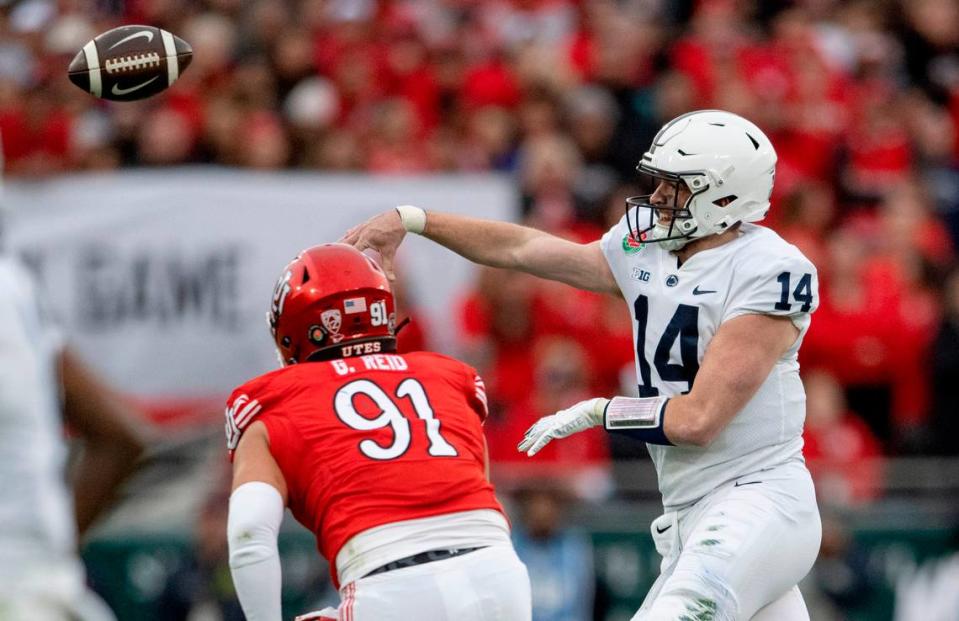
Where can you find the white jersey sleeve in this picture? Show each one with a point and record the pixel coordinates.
(776, 281)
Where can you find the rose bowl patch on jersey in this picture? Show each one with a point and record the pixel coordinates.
(631, 245)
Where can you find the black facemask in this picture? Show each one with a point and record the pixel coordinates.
(642, 215)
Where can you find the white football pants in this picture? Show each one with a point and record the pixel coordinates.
(738, 554)
(486, 585)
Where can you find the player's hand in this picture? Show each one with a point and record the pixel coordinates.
(583, 415)
(383, 233)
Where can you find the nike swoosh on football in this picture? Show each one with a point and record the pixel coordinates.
(141, 33)
(698, 291)
(664, 530)
(116, 90)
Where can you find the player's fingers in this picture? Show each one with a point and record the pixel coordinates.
(350, 236)
(543, 441)
(531, 435)
(387, 257)
(362, 242)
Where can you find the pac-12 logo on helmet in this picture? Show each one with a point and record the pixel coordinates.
(332, 321)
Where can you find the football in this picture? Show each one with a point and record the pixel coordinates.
(130, 62)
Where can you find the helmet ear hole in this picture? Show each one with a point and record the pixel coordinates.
(722, 202)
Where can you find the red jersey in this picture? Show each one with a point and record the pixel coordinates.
(371, 440)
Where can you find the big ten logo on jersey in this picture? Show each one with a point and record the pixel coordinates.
(640, 275)
(378, 362)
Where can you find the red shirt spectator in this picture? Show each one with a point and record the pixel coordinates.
(840, 450)
(561, 378)
(491, 84)
(36, 136)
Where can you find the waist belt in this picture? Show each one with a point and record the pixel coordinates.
(421, 558)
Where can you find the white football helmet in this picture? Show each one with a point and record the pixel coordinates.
(727, 163)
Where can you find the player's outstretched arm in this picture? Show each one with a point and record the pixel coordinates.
(256, 512)
(113, 439)
(488, 242)
(738, 360)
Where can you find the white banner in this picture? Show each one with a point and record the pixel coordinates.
(162, 279)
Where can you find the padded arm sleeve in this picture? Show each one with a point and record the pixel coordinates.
(256, 512)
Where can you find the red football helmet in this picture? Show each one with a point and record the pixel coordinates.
(332, 301)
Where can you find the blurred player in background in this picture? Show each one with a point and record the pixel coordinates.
(716, 299)
(43, 385)
(382, 456)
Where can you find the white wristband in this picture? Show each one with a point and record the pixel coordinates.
(633, 413)
(413, 218)
(642, 419)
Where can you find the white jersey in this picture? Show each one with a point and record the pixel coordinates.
(676, 311)
(38, 532)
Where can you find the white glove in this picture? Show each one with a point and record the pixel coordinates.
(583, 415)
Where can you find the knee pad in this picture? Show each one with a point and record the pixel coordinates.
(695, 596)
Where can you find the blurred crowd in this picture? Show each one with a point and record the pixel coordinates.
(860, 98)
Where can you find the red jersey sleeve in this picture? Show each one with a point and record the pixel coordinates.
(241, 410)
(260, 399)
(476, 393)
